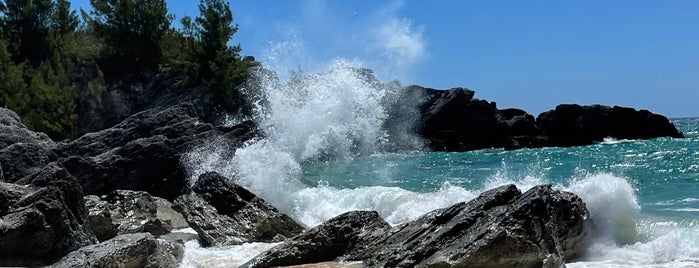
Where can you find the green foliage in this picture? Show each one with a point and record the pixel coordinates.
(26, 25)
(215, 63)
(53, 63)
(133, 29)
(64, 21)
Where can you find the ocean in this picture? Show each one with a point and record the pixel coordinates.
(327, 151)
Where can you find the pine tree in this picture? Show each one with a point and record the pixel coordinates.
(133, 29)
(220, 66)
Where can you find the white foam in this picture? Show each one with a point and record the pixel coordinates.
(221, 257)
(622, 238)
(395, 205)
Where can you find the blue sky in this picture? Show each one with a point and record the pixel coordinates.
(527, 54)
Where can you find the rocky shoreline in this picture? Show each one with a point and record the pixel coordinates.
(112, 198)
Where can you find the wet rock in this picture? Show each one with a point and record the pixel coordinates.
(574, 125)
(501, 228)
(329, 241)
(125, 212)
(129, 250)
(42, 218)
(224, 213)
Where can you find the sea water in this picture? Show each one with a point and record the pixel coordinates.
(327, 150)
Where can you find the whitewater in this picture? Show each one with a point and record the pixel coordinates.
(337, 139)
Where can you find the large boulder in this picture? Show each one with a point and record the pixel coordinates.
(501, 228)
(573, 125)
(224, 213)
(42, 218)
(129, 250)
(329, 241)
(125, 212)
(143, 152)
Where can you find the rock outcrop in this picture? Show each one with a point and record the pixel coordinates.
(42, 218)
(573, 125)
(143, 152)
(126, 212)
(501, 228)
(224, 213)
(453, 120)
(129, 250)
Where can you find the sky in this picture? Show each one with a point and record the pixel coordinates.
(526, 54)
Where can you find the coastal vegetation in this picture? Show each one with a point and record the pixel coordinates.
(57, 62)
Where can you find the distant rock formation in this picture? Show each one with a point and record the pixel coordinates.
(453, 120)
(501, 228)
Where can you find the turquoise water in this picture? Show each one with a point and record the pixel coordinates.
(644, 194)
(664, 171)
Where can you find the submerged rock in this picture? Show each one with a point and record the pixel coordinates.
(501, 228)
(224, 213)
(125, 212)
(42, 218)
(129, 250)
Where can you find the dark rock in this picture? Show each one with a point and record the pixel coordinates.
(224, 213)
(21, 159)
(334, 238)
(455, 121)
(129, 250)
(574, 125)
(125, 212)
(164, 87)
(519, 122)
(501, 228)
(143, 152)
(42, 220)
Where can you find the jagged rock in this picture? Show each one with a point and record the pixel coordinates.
(125, 212)
(143, 152)
(21, 159)
(129, 250)
(43, 219)
(501, 228)
(334, 238)
(224, 213)
(13, 131)
(574, 125)
(22, 151)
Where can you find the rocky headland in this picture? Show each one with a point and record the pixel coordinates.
(114, 197)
